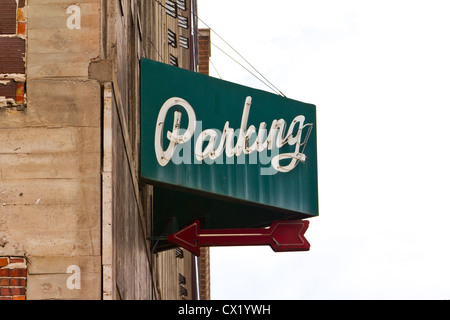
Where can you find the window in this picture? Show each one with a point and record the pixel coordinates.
(172, 38)
(171, 8)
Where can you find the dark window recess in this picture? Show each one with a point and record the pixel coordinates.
(182, 22)
(172, 37)
(181, 4)
(184, 42)
(179, 253)
(171, 8)
(173, 60)
(181, 279)
(183, 291)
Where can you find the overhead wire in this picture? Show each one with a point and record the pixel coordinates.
(242, 66)
(267, 83)
(217, 71)
(154, 47)
(274, 87)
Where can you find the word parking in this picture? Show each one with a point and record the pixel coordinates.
(249, 140)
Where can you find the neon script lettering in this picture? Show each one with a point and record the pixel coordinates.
(248, 141)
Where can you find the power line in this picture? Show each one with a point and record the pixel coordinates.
(215, 68)
(240, 64)
(153, 45)
(271, 86)
(279, 91)
(244, 67)
(162, 59)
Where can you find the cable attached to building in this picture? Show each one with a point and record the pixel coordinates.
(266, 82)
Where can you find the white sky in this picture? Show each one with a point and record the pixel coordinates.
(379, 74)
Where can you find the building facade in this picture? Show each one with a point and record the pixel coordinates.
(75, 219)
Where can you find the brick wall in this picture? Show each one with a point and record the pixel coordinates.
(13, 278)
(204, 51)
(12, 54)
(13, 270)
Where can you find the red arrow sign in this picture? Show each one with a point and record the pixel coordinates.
(281, 236)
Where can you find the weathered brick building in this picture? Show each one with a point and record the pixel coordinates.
(12, 55)
(74, 217)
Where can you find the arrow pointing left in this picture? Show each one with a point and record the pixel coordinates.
(281, 236)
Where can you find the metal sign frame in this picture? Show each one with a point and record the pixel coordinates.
(226, 147)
